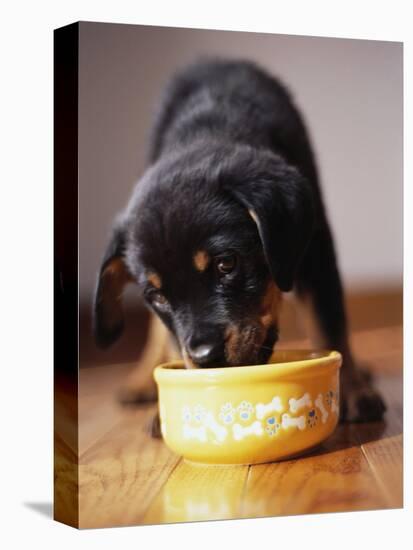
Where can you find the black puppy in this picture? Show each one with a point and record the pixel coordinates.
(227, 217)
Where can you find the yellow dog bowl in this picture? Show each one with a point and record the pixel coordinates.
(252, 414)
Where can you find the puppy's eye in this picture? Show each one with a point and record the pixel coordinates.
(158, 299)
(226, 264)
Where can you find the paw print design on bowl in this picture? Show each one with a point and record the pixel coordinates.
(186, 414)
(245, 410)
(272, 426)
(199, 413)
(227, 413)
(312, 418)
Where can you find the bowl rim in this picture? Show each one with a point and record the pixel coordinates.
(325, 360)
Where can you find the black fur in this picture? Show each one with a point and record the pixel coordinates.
(231, 170)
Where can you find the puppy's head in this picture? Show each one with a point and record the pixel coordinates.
(212, 236)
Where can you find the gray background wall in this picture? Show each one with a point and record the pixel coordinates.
(350, 92)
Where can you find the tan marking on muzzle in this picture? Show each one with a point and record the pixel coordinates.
(243, 342)
(271, 306)
(154, 279)
(201, 260)
(232, 343)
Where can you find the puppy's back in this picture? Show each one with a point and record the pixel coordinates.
(230, 100)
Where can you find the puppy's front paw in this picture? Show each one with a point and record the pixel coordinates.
(153, 427)
(361, 402)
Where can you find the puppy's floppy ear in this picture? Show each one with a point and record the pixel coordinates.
(113, 276)
(280, 201)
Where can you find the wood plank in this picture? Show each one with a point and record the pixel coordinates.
(380, 349)
(122, 472)
(333, 482)
(97, 416)
(199, 493)
(385, 458)
(371, 343)
(66, 483)
(99, 409)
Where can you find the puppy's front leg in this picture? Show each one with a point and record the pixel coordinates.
(319, 291)
(140, 386)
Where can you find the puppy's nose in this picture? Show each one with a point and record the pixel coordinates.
(203, 354)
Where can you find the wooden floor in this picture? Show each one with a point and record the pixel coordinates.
(127, 478)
